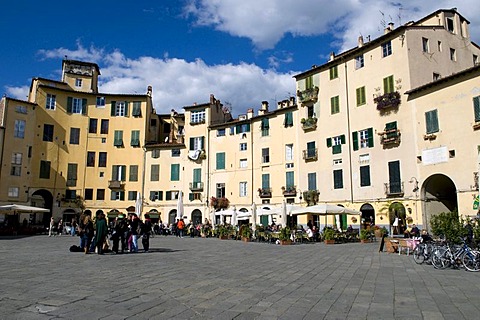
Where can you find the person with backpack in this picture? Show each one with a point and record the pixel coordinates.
(146, 228)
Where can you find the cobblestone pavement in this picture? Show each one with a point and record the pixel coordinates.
(226, 279)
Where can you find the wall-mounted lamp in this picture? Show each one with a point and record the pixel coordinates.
(415, 182)
(409, 210)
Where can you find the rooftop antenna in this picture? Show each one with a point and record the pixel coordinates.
(382, 22)
(399, 15)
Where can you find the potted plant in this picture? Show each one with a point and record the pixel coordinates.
(329, 236)
(284, 236)
(364, 235)
(223, 232)
(246, 233)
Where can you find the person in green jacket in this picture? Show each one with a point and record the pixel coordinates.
(101, 232)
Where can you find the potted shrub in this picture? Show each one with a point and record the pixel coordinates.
(246, 233)
(329, 236)
(364, 235)
(224, 232)
(284, 236)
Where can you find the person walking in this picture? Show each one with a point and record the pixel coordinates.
(60, 227)
(180, 227)
(50, 229)
(134, 224)
(146, 228)
(73, 228)
(101, 232)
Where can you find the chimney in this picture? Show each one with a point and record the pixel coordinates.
(332, 56)
(388, 28)
(265, 106)
(250, 113)
(292, 101)
(149, 91)
(285, 103)
(360, 41)
(279, 105)
(212, 99)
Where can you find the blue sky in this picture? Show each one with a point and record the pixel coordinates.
(243, 52)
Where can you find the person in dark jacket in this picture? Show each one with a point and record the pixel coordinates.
(101, 232)
(146, 228)
(88, 232)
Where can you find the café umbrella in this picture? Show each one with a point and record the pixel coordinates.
(180, 205)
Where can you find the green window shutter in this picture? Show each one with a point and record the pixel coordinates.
(136, 109)
(329, 142)
(332, 105)
(126, 109)
(370, 137)
(364, 176)
(265, 180)
(360, 96)
(155, 172)
(337, 149)
(335, 104)
(160, 195)
(388, 84)
(112, 108)
(190, 196)
(133, 173)
(394, 176)
(312, 181)
(113, 195)
(289, 179)
(333, 72)
(342, 139)
(248, 127)
(238, 129)
(69, 104)
(265, 123)
(431, 120)
(118, 138)
(84, 106)
(202, 143)
(152, 196)
(122, 195)
(391, 126)
(135, 139)
(309, 83)
(476, 108)
(124, 172)
(192, 144)
(114, 173)
(355, 140)
(197, 175)
(220, 160)
(337, 179)
(175, 172)
(288, 119)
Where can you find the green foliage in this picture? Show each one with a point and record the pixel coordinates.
(246, 231)
(448, 225)
(328, 234)
(364, 234)
(225, 230)
(285, 234)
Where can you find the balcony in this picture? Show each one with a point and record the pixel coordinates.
(429, 136)
(388, 100)
(308, 95)
(116, 184)
(265, 192)
(309, 124)
(289, 191)
(196, 186)
(311, 197)
(390, 137)
(310, 154)
(394, 189)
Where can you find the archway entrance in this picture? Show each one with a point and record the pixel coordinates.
(440, 195)
(196, 217)
(43, 199)
(397, 216)
(368, 215)
(172, 217)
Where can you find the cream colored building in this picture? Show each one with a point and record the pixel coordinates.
(366, 126)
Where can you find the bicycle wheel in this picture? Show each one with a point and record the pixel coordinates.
(440, 259)
(418, 255)
(471, 260)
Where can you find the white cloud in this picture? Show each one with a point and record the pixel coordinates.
(267, 23)
(177, 83)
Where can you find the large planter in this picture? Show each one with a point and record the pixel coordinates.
(329, 241)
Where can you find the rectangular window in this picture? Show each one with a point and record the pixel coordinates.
(92, 125)
(243, 163)
(175, 152)
(72, 174)
(16, 169)
(366, 138)
(155, 172)
(388, 84)
(100, 194)
(135, 138)
(117, 196)
(48, 132)
(221, 132)
(78, 83)
(175, 172)
(265, 127)
(44, 169)
(100, 102)
(119, 109)
(476, 108)
(21, 109)
(425, 46)
(77, 106)
(13, 192)
(450, 25)
(265, 155)
(104, 126)
(197, 143)
(118, 138)
(311, 150)
(289, 179)
(74, 135)
(197, 116)
(359, 62)
(453, 54)
(475, 59)
(243, 189)
(289, 152)
(220, 165)
(155, 153)
(386, 49)
(132, 195)
(119, 172)
(394, 177)
(288, 121)
(137, 109)
(312, 181)
(335, 105)
(431, 121)
(338, 179)
(436, 76)
(333, 72)
(265, 181)
(220, 190)
(19, 130)
(243, 146)
(133, 173)
(90, 159)
(361, 96)
(51, 102)
(102, 159)
(88, 194)
(364, 176)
